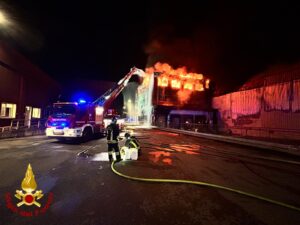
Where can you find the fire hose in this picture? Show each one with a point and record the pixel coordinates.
(205, 184)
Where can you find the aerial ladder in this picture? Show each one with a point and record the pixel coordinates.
(81, 119)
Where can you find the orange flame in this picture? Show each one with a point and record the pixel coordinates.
(188, 86)
(207, 83)
(176, 84)
(163, 81)
(178, 79)
(184, 96)
(199, 87)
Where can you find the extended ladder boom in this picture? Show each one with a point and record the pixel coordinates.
(106, 99)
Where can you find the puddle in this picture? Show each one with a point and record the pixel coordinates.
(102, 156)
(84, 154)
(161, 156)
(58, 146)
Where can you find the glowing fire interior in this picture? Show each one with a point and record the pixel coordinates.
(177, 78)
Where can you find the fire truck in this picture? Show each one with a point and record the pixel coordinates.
(82, 120)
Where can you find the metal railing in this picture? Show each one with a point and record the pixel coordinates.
(6, 128)
(22, 124)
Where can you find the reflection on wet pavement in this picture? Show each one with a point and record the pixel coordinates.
(188, 149)
(166, 133)
(162, 153)
(167, 161)
(158, 156)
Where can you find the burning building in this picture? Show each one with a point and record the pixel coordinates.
(171, 96)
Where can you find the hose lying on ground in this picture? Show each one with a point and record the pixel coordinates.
(156, 180)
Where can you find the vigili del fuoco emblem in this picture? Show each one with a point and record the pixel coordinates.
(29, 195)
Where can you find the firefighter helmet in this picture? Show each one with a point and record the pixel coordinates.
(127, 135)
(114, 119)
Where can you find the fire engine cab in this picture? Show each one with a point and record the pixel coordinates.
(81, 119)
(75, 119)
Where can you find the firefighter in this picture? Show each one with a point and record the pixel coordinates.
(113, 132)
(132, 142)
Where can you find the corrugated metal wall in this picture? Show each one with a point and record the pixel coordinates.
(271, 109)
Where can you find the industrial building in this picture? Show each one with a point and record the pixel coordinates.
(25, 90)
(266, 106)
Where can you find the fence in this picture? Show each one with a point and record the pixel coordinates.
(20, 128)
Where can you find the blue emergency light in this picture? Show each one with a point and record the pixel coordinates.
(81, 101)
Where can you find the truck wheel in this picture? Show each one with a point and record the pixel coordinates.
(87, 134)
(99, 135)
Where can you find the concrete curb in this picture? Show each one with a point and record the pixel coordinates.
(290, 149)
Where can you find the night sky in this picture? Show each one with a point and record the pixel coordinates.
(104, 39)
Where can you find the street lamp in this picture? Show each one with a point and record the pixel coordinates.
(3, 19)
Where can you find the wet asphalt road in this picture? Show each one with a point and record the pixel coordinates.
(86, 192)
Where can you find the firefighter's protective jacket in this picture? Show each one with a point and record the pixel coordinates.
(113, 132)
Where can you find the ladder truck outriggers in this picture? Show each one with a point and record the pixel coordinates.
(82, 120)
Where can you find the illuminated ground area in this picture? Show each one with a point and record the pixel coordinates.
(87, 192)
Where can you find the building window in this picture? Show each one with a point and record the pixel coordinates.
(36, 113)
(8, 110)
